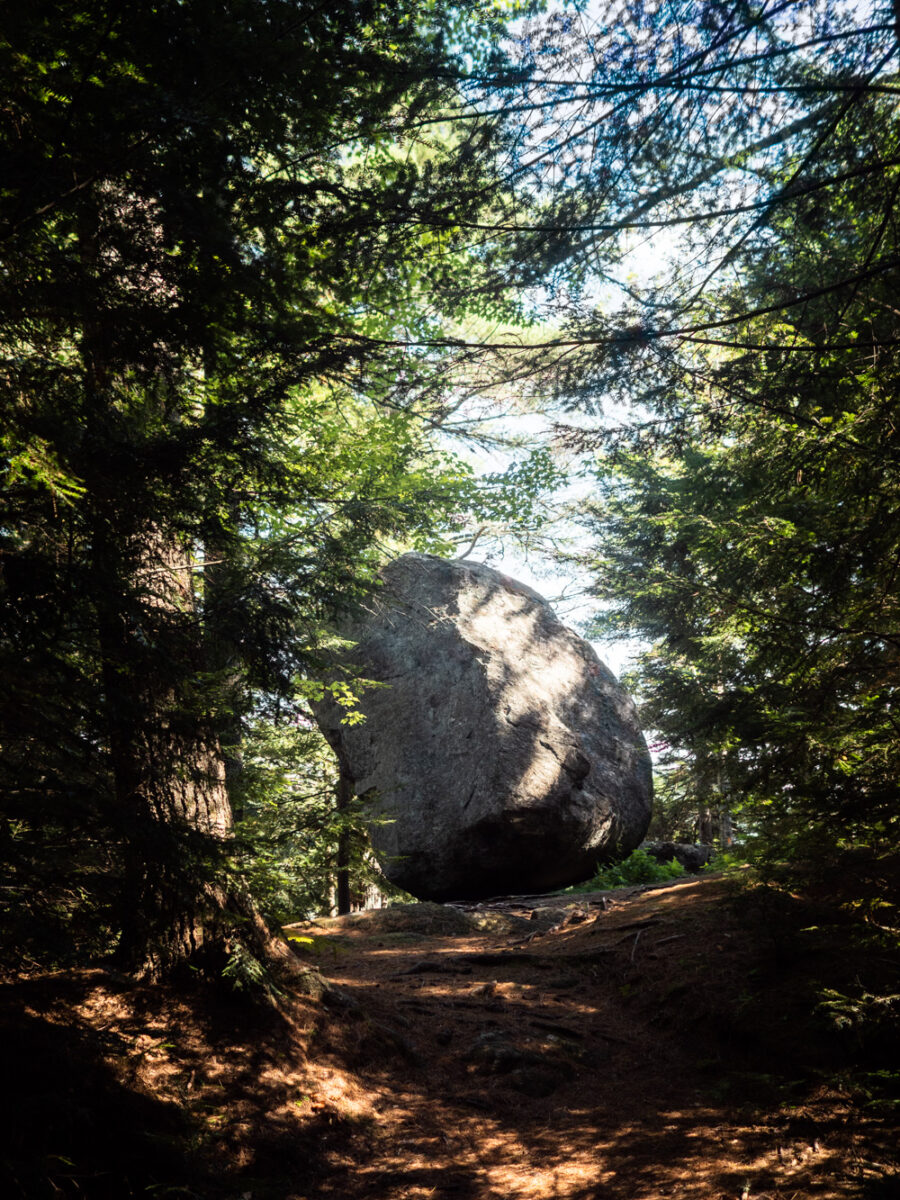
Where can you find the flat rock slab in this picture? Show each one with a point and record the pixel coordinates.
(501, 755)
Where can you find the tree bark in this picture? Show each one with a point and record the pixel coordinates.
(181, 903)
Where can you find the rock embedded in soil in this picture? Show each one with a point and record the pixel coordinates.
(688, 855)
(501, 755)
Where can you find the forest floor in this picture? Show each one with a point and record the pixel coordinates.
(702, 1039)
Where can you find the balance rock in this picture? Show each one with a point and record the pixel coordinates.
(501, 755)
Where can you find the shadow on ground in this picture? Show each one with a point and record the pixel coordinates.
(686, 1041)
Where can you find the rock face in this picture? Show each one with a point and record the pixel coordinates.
(502, 756)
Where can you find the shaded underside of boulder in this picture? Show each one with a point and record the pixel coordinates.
(500, 755)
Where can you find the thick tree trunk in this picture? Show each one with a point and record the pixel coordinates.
(180, 900)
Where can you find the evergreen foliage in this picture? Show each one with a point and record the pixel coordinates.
(638, 868)
(746, 525)
(216, 419)
(255, 261)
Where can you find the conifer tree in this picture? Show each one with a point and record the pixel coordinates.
(215, 269)
(748, 526)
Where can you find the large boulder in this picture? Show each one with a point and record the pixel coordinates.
(501, 755)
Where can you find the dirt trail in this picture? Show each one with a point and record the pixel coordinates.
(586, 1047)
(638, 1045)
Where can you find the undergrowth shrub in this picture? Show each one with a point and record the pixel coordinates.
(638, 867)
(733, 861)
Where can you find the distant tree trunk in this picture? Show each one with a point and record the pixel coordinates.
(706, 825)
(224, 661)
(344, 796)
(726, 829)
(223, 655)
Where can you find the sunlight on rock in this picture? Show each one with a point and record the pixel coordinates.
(498, 754)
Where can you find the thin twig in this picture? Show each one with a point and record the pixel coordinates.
(635, 946)
(472, 544)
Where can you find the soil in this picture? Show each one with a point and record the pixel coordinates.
(698, 1039)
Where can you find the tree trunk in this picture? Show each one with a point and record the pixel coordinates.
(180, 901)
(705, 825)
(224, 661)
(181, 898)
(344, 796)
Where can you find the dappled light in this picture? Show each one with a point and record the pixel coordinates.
(653, 1042)
(585, 1059)
(302, 305)
(496, 753)
(599, 1047)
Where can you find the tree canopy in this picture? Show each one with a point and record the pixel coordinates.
(261, 259)
(213, 410)
(745, 518)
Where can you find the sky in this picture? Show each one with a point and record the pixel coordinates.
(566, 588)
